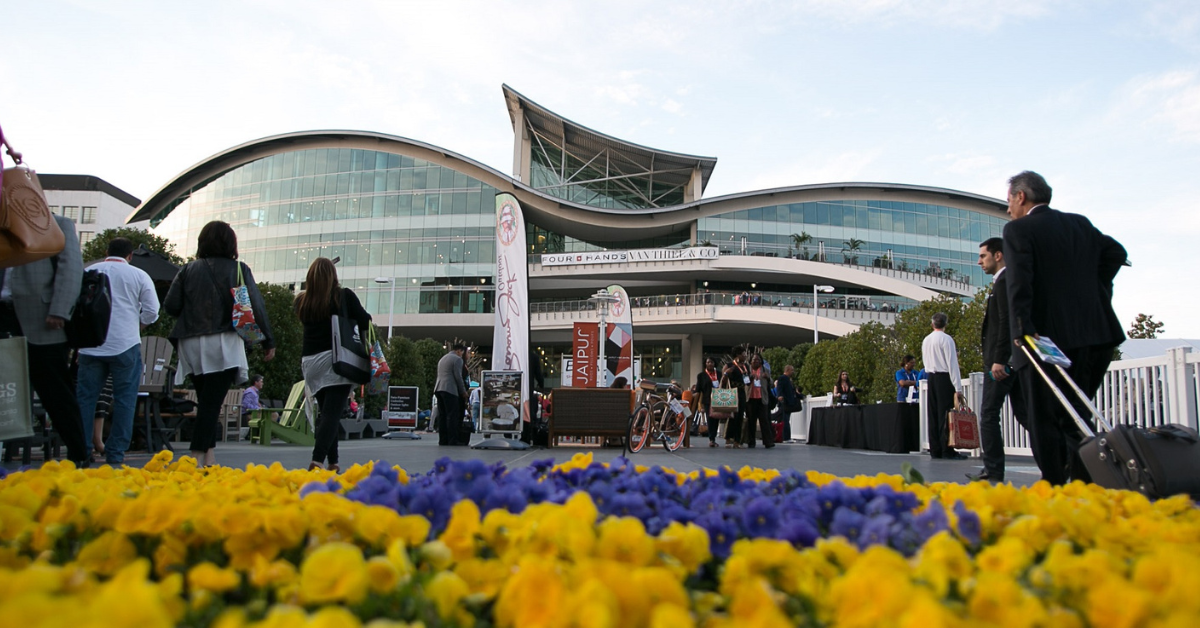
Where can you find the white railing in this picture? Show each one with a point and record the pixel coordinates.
(1145, 392)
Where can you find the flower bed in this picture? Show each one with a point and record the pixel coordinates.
(581, 543)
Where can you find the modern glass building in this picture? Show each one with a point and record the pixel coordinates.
(412, 227)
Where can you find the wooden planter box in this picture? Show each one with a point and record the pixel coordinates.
(589, 412)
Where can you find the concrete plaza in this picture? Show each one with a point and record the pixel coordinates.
(418, 456)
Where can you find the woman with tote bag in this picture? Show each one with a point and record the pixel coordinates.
(203, 297)
(318, 306)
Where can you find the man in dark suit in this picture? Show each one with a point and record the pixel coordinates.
(1060, 285)
(36, 301)
(999, 382)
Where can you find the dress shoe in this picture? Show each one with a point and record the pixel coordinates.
(979, 477)
(953, 455)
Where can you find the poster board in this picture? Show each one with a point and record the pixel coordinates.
(500, 411)
(401, 411)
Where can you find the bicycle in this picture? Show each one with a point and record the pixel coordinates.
(660, 415)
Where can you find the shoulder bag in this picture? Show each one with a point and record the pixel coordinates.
(243, 312)
(964, 426)
(350, 357)
(28, 232)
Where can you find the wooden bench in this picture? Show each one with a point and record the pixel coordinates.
(589, 412)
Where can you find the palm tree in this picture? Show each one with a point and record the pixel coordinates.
(801, 240)
(852, 245)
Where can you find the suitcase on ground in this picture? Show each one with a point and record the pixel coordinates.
(1156, 462)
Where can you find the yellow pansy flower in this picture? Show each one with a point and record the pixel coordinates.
(334, 572)
(209, 577)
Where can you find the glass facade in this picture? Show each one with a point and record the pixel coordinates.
(383, 214)
(916, 237)
(543, 241)
(604, 180)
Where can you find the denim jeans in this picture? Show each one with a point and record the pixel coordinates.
(126, 371)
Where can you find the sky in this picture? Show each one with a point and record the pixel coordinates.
(1100, 97)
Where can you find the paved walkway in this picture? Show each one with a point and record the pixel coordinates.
(418, 456)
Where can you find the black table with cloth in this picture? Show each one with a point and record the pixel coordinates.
(888, 427)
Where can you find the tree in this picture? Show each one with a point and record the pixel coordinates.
(98, 247)
(852, 246)
(1144, 326)
(288, 333)
(801, 241)
(430, 352)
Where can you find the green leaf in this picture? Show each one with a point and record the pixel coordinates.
(910, 474)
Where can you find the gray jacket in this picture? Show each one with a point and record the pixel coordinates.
(449, 375)
(48, 287)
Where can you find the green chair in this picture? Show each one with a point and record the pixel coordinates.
(293, 426)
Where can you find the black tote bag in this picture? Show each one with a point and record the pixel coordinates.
(350, 357)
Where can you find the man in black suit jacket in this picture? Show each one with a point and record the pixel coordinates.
(999, 382)
(1060, 285)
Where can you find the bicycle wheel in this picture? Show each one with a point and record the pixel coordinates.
(674, 429)
(639, 429)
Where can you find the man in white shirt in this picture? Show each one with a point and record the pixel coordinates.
(134, 305)
(941, 364)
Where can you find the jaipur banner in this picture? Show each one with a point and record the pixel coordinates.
(510, 338)
(585, 354)
(618, 349)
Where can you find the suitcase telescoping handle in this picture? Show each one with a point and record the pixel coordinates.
(1083, 426)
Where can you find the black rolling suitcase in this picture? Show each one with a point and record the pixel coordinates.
(1156, 462)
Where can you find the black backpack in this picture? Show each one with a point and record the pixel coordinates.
(88, 326)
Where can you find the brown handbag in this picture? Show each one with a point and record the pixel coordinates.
(28, 231)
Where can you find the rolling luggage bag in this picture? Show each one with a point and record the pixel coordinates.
(1156, 462)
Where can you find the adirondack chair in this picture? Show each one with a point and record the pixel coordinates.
(231, 415)
(157, 374)
(293, 425)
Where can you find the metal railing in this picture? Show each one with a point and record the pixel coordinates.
(1146, 392)
(849, 304)
(932, 273)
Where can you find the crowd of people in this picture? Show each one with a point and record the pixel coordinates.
(1052, 276)
(758, 398)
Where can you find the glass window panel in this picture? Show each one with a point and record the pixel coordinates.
(419, 178)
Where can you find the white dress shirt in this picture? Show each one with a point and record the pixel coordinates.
(134, 303)
(941, 356)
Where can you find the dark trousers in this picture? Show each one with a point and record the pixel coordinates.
(733, 425)
(210, 396)
(1053, 433)
(50, 376)
(450, 413)
(333, 401)
(939, 405)
(990, 435)
(758, 417)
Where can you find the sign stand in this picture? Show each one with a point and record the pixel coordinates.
(500, 410)
(401, 413)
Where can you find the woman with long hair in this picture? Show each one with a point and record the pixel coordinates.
(209, 349)
(844, 392)
(321, 300)
(737, 376)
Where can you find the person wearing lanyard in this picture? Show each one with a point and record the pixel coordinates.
(906, 379)
(758, 404)
(706, 381)
(737, 375)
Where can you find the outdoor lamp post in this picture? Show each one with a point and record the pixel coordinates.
(602, 299)
(391, 303)
(817, 289)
